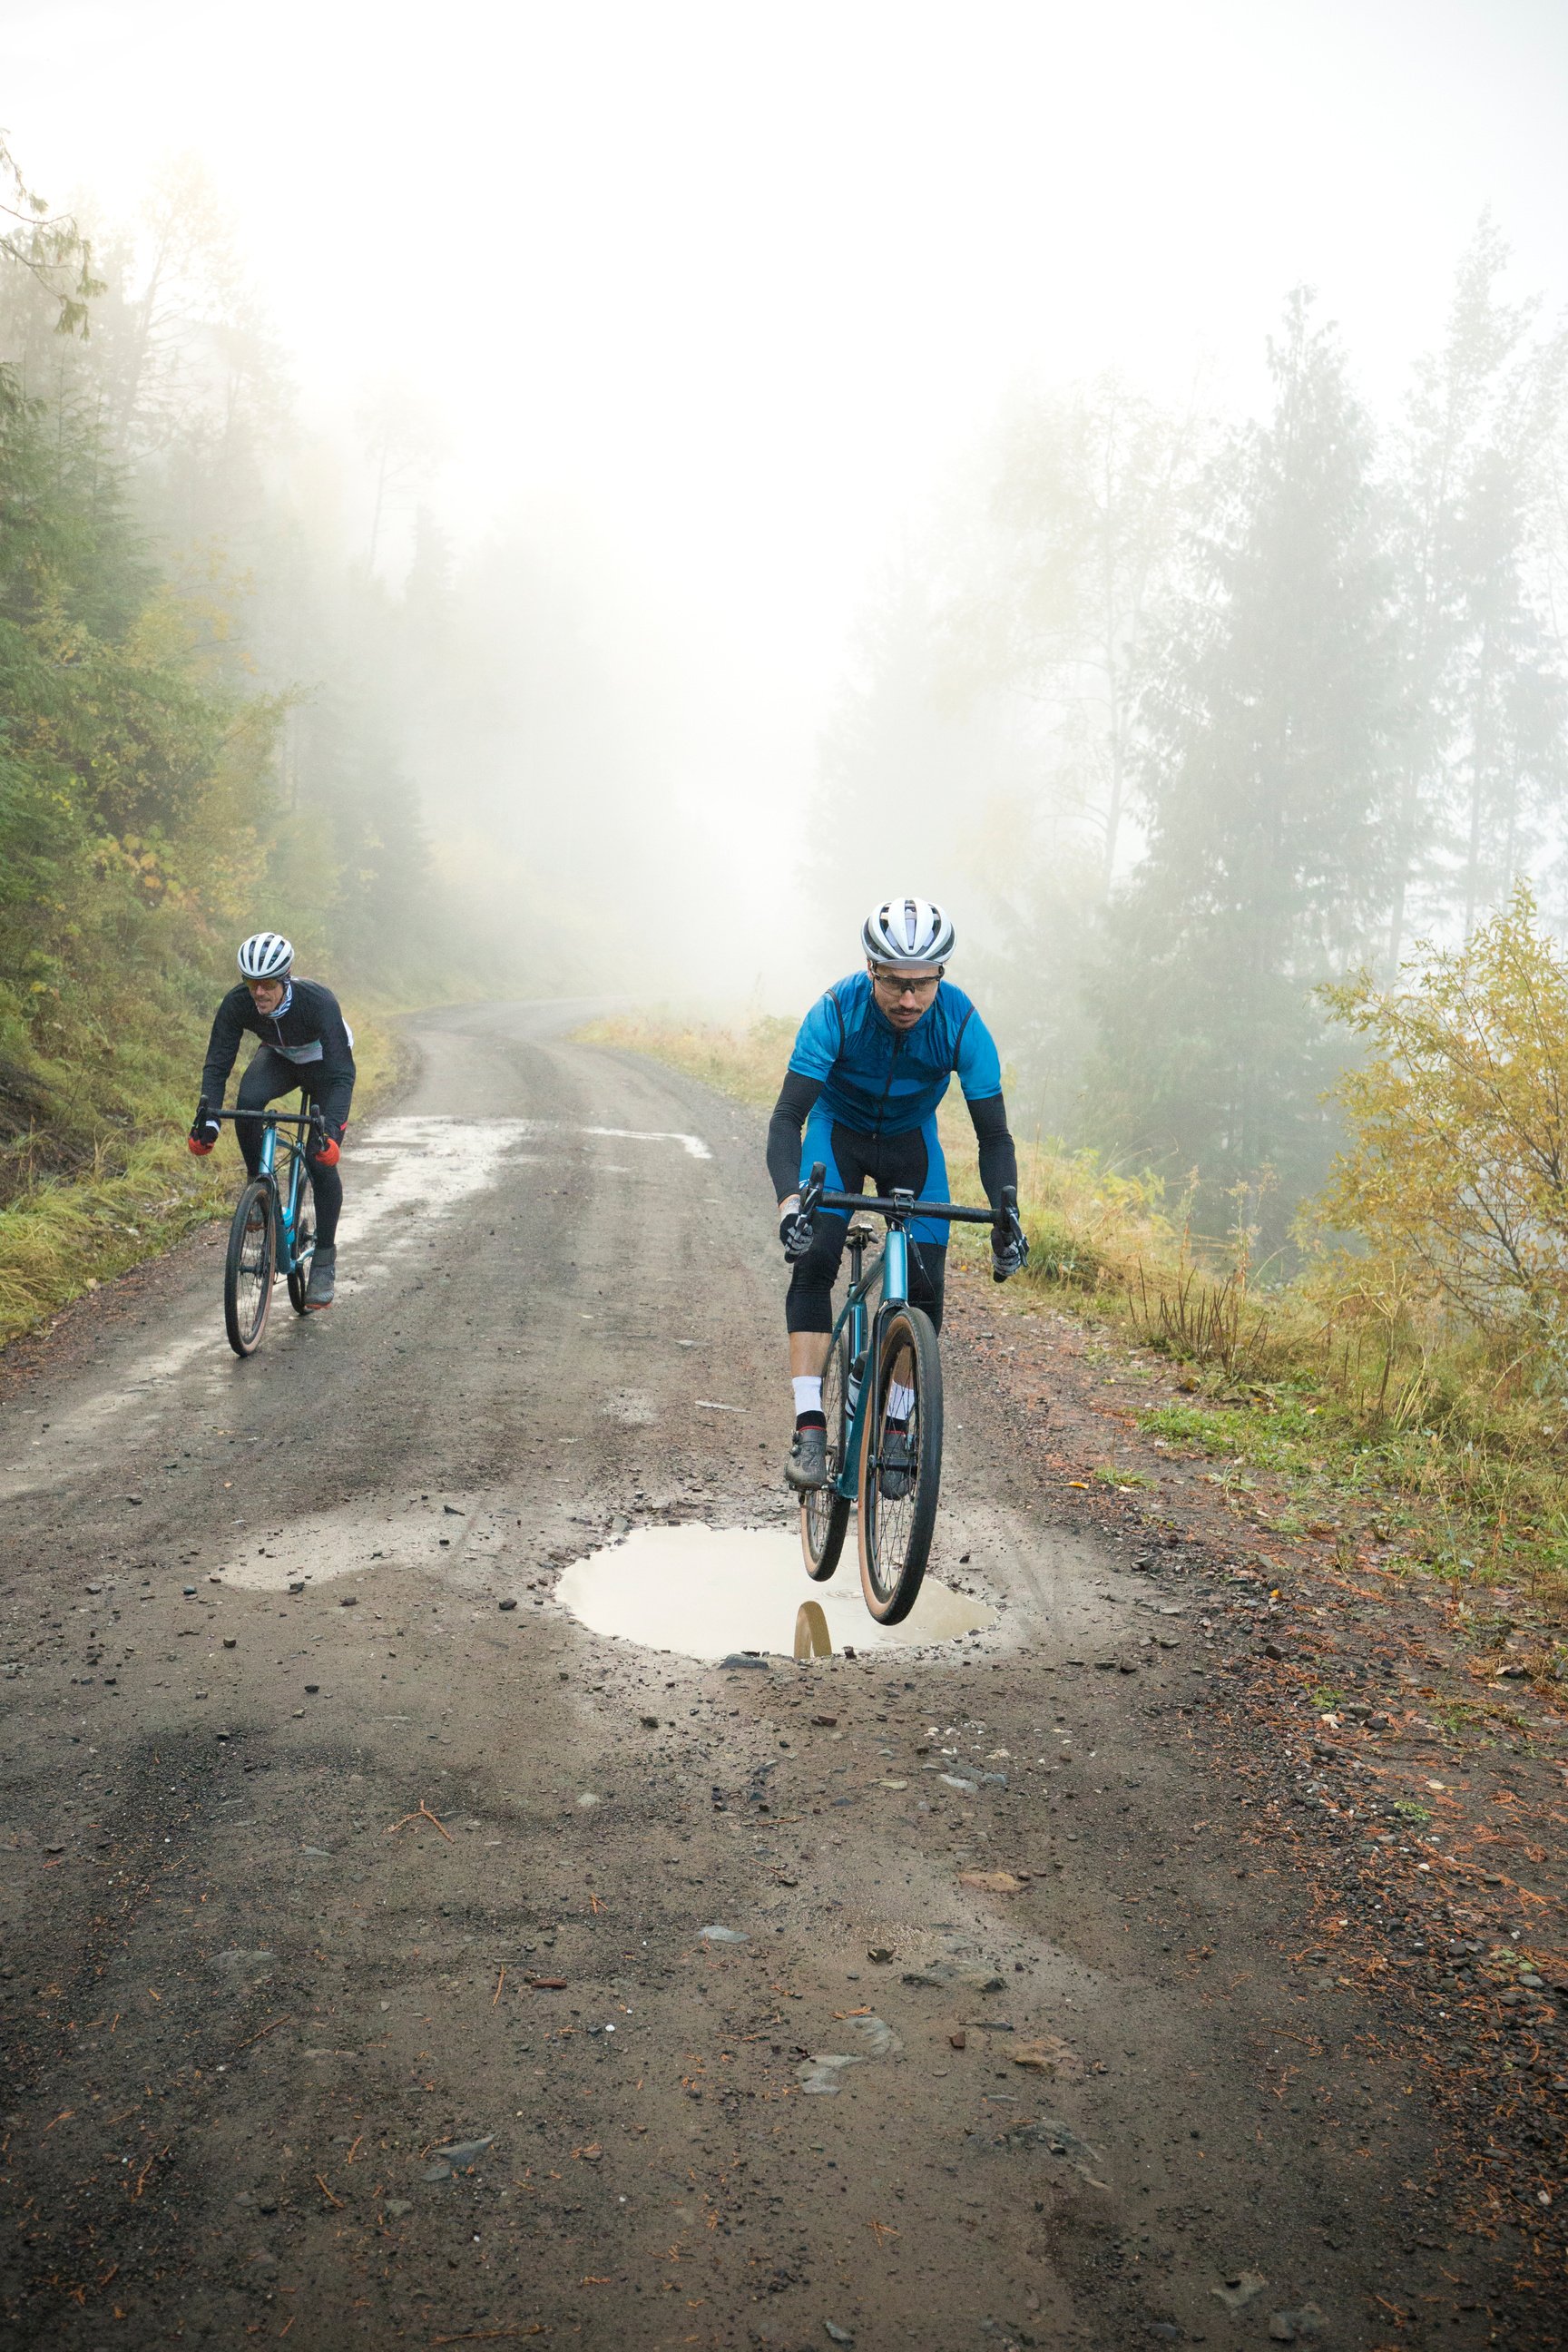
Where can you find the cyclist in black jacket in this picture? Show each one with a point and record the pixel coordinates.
(305, 1042)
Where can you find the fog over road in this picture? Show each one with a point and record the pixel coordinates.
(300, 1887)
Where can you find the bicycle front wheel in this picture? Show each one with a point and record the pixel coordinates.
(304, 1248)
(825, 1514)
(901, 1464)
(249, 1270)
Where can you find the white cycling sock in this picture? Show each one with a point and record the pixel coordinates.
(807, 1387)
(901, 1401)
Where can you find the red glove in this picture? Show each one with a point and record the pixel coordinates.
(329, 1154)
(201, 1150)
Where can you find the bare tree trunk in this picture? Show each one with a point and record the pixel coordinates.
(375, 516)
(1479, 739)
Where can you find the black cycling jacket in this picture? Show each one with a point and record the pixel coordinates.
(310, 1032)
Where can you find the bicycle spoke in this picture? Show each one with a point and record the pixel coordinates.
(251, 1262)
(825, 1514)
(902, 1469)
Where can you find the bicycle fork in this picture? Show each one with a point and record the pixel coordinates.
(283, 1204)
(862, 1333)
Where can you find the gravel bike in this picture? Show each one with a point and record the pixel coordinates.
(881, 1398)
(274, 1226)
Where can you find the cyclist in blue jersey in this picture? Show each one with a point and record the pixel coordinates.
(305, 1043)
(874, 1057)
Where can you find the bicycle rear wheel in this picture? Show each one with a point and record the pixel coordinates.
(898, 1495)
(247, 1272)
(304, 1247)
(825, 1514)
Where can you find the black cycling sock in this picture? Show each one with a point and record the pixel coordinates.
(810, 1421)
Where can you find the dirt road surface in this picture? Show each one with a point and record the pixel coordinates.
(354, 1986)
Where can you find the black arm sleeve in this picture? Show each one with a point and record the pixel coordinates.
(228, 1028)
(796, 1099)
(998, 1161)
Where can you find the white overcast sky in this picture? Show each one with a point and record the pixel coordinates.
(739, 283)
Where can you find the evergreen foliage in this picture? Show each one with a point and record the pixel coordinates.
(1187, 722)
(192, 742)
(1270, 718)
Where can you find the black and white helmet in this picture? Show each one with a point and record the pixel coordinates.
(266, 955)
(906, 931)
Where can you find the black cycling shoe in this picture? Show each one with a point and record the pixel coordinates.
(806, 1468)
(897, 1474)
(323, 1278)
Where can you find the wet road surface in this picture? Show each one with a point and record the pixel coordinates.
(354, 1893)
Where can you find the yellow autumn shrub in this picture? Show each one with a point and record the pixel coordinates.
(1456, 1173)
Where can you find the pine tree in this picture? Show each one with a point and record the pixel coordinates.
(1088, 502)
(1269, 724)
(1483, 765)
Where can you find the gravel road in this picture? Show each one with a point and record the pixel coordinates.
(354, 1983)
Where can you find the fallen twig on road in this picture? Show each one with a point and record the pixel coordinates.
(266, 2030)
(423, 1812)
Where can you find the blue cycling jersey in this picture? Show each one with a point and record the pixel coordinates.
(884, 1081)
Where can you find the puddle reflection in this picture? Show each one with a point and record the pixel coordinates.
(709, 1593)
(812, 1638)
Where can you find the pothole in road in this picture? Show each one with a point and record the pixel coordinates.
(718, 1593)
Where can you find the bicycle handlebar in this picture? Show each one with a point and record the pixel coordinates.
(899, 1205)
(311, 1119)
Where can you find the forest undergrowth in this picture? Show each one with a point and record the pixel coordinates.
(194, 735)
(1338, 1389)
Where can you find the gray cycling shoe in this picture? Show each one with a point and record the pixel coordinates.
(323, 1278)
(897, 1466)
(806, 1468)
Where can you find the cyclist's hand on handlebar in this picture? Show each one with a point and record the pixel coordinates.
(325, 1153)
(1009, 1247)
(205, 1132)
(794, 1235)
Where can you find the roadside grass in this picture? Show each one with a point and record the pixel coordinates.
(134, 1190)
(1382, 1418)
(747, 1064)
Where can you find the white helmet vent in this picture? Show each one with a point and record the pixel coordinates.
(266, 955)
(906, 931)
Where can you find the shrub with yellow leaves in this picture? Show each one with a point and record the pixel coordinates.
(1457, 1170)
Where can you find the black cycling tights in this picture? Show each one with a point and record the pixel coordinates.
(884, 1161)
(808, 1302)
(270, 1074)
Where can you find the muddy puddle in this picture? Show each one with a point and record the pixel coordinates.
(718, 1593)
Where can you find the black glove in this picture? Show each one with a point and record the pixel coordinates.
(795, 1233)
(205, 1131)
(1009, 1250)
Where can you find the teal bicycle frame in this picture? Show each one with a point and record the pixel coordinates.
(889, 1466)
(890, 1269)
(285, 1195)
(288, 1196)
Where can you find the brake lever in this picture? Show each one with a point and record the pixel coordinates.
(800, 1238)
(1007, 1229)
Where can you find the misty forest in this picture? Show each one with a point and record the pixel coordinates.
(1207, 717)
(941, 1794)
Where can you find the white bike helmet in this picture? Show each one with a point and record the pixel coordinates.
(266, 955)
(906, 931)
